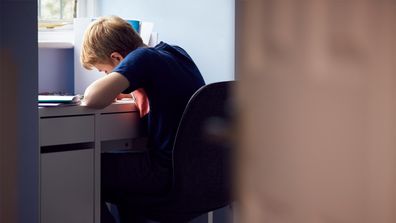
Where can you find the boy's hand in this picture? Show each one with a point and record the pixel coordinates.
(141, 101)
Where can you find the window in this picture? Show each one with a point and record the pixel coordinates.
(57, 9)
(56, 13)
(55, 21)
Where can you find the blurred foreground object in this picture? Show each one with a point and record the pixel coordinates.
(8, 140)
(317, 106)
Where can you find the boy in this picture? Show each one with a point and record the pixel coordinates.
(164, 74)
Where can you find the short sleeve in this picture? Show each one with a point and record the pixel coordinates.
(135, 68)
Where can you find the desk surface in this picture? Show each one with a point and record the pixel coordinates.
(116, 107)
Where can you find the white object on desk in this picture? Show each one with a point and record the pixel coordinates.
(153, 39)
(59, 98)
(146, 28)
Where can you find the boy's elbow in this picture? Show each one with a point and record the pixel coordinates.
(101, 92)
(94, 103)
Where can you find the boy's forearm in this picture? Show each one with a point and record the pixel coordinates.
(91, 99)
(103, 91)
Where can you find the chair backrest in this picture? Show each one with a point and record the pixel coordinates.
(202, 166)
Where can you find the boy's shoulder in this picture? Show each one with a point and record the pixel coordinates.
(141, 53)
(162, 53)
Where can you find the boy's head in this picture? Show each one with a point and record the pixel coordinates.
(106, 40)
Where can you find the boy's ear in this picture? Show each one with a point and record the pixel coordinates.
(116, 57)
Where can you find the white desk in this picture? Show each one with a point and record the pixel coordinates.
(71, 141)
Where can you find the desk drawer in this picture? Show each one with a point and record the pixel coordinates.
(119, 126)
(66, 130)
(67, 187)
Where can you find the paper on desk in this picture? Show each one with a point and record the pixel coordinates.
(48, 104)
(73, 99)
(153, 39)
(146, 28)
(56, 105)
(58, 100)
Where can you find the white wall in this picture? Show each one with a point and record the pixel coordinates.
(204, 28)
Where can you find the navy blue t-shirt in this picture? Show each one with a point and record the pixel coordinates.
(170, 77)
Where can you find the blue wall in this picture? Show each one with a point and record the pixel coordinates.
(56, 70)
(204, 28)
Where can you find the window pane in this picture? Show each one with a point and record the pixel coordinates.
(57, 9)
(50, 9)
(68, 9)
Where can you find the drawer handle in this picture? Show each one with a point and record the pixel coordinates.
(67, 147)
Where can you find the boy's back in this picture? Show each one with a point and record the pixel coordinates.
(170, 78)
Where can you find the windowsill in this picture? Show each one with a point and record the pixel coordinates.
(58, 39)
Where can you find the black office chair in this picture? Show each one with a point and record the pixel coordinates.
(201, 162)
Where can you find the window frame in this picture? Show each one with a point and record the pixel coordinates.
(87, 8)
(63, 37)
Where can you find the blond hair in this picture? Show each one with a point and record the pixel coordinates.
(107, 35)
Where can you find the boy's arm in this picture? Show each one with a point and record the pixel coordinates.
(102, 92)
(141, 101)
(122, 96)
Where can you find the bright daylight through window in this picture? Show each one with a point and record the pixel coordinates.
(56, 13)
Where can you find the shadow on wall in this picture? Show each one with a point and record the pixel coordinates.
(56, 70)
